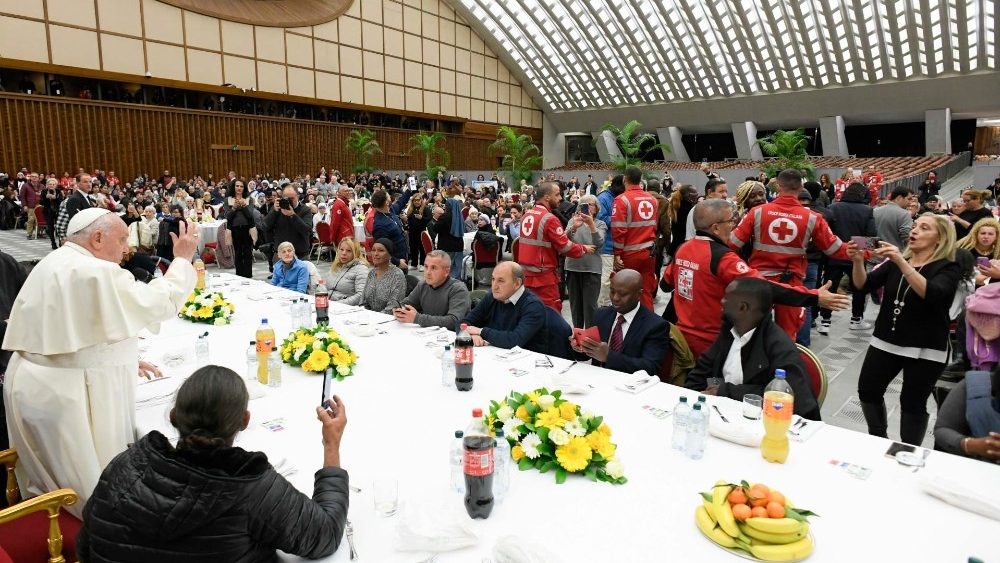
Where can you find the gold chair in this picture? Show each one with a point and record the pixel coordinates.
(18, 515)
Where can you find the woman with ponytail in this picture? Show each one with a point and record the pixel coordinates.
(206, 500)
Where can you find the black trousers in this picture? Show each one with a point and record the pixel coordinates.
(243, 250)
(880, 368)
(417, 253)
(50, 226)
(834, 273)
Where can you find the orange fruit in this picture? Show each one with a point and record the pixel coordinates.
(779, 498)
(759, 495)
(737, 496)
(775, 510)
(741, 511)
(758, 512)
(763, 490)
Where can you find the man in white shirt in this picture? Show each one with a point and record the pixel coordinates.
(749, 349)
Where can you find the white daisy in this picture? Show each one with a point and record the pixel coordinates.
(321, 336)
(510, 428)
(530, 445)
(574, 428)
(299, 352)
(559, 436)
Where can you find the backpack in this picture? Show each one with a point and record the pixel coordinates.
(982, 318)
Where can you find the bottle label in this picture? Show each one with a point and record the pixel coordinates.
(777, 410)
(463, 355)
(478, 463)
(265, 346)
(322, 301)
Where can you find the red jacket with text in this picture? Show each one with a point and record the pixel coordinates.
(541, 242)
(342, 222)
(781, 232)
(633, 221)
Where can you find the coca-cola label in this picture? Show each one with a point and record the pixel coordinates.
(321, 301)
(478, 463)
(463, 355)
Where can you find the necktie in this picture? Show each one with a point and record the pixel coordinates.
(617, 340)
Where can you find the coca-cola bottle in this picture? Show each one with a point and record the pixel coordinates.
(322, 302)
(463, 359)
(477, 464)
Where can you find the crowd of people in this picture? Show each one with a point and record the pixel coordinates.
(745, 276)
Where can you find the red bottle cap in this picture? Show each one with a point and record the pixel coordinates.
(478, 413)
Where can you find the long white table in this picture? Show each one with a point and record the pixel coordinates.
(401, 421)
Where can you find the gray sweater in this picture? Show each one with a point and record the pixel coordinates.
(581, 234)
(894, 224)
(440, 306)
(347, 284)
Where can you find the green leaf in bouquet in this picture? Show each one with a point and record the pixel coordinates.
(546, 449)
(518, 397)
(532, 408)
(539, 462)
(594, 423)
(547, 466)
(591, 473)
(706, 496)
(596, 457)
(493, 407)
(560, 475)
(529, 426)
(557, 393)
(525, 464)
(543, 433)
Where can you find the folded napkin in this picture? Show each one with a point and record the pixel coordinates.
(255, 389)
(804, 432)
(433, 527)
(428, 330)
(515, 353)
(638, 382)
(568, 384)
(977, 499)
(738, 430)
(512, 549)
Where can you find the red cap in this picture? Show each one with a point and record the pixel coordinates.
(478, 413)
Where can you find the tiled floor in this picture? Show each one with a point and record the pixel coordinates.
(842, 352)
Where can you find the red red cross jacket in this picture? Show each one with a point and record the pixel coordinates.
(343, 221)
(541, 241)
(781, 232)
(633, 221)
(698, 276)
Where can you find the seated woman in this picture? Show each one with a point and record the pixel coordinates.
(385, 287)
(968, 421)
(290, 272)
(348, 274)
(206, 500)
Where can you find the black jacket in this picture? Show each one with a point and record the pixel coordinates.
(75, 203)
(851, 219)
(155, 503)
(768, 349)
(645, 344)
(296, 229)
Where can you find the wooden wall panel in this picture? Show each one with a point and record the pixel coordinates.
(60, 135)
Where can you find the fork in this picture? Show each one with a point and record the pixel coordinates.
(798, 427)
(350, 540)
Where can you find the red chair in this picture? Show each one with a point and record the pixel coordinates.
(816, 372)
(25, 524)
(483, 257)
(325, 233)
(40, 219)
(513, 248)
(366, 207)
(465, 212)
(426, 242)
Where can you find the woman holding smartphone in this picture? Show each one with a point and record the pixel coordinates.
(984, 244)
(583, 275)
(911, 331)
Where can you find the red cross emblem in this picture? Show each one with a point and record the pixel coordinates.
(528, 225)
(782, 230)
(645, 210)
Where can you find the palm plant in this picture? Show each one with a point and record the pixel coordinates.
(363, 145)
(788, 149)
(436, 157)
(632, 146)
(520, 154)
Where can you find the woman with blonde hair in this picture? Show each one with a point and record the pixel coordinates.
(971, 213)
(983, 241)
(348, 273)
(911, 331)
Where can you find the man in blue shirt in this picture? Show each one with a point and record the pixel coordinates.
(605, 201)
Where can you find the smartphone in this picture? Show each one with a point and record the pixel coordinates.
(983, 262)
(874, 242)
(326, 400)
(896, 447)
(860, 242)
(585, 208)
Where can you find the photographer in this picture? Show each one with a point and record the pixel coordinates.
(289, 221)
(52, 198)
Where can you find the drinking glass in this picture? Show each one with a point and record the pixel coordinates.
(752, 406)
(386, 496)
(714, 381)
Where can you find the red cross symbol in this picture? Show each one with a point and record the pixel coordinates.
(782, 231)
(527, 225)
(645, 210)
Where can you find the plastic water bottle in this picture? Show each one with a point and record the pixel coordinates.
(252, 361)
(501, 461)
(697, 431)
(448, 367)
(201, 353)
(455, 460)
(306, 310)
(682, 413)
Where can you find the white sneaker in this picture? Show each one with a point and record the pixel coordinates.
(420, 268)
(860, 324)
(824, 327)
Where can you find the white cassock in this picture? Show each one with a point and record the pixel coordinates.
(70, 385)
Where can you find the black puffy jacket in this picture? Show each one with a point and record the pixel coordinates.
(156, 503)
(852, 217)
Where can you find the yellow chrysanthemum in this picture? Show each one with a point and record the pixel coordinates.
(308, 338)
(517, 452)
(604, 429)
(354, 357)
(522, 413)
(601, 444)
(285, 355)
(549, 418)
(332, 349)
(319, 359)
(567, 410)
(533, 396)
(333, 335)
(575, 455)
(341, 358)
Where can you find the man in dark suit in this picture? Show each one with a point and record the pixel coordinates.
(511, 315)
(633, 338)
(750, 347)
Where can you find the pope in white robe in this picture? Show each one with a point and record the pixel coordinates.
(70, 386)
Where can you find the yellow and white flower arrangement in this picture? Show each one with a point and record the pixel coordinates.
(209, 307)
(547, 432)
(319, 348)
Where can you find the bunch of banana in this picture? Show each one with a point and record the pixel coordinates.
(767, 539)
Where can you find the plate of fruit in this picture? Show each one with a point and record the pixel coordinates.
(755, 522)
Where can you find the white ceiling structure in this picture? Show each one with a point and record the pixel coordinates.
(582, 55)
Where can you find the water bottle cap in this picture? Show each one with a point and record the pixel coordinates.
(478, 413)
(263, 321)
(701, 398)
(697, 406)
(499, 433)
(779, 373)
(447, 347)
(684, 399)
(459, 433)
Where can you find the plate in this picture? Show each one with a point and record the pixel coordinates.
(745, 555)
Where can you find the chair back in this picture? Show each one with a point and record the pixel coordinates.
(475, 296)
(40, 216)
(426, 241)
(366, 207)
(465, 212)
(325, 233)
(482, 256)
(815, 371)
(411, 283)
(513, 248)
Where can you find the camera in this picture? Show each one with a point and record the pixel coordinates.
(285, 203)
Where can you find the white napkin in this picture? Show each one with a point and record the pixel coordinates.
(805, 432)
(638, 382)
(738, 430)
(515, 353)
(433, 527)
(567, 384)
(255, 389)
(428, 330)
(512, 549)
(967, 497)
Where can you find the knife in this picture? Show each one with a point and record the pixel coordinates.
(722, 416)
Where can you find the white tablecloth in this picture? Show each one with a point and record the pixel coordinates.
(207, 232)
(359, 231)
(401, 421)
